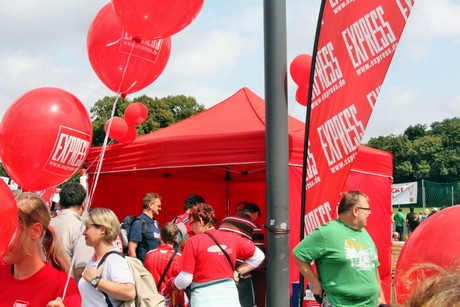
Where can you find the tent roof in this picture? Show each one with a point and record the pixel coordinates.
(231, 132)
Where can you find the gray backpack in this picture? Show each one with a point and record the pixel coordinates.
(146, 291)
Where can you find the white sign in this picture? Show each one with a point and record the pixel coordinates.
(404, 193)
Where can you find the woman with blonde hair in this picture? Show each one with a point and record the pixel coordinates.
(110, 283)
(26, 279)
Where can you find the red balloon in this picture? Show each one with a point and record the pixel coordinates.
(9, 214)
(301, 95)
(130, 136)
(434, 242)
(118, 128)
(156, 18)
(45, 136)
(136, 113)
(124, 64)
(300, 69)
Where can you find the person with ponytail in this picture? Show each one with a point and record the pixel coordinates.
(36, 266)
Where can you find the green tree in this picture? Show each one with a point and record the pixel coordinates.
(415, 132)
(420, 153)
(2, 171)
(162, 113)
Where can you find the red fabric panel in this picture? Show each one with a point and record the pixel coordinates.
(123, 192)
(372, 174)
(356, 43)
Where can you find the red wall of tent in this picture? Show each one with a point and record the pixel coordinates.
(220, 154)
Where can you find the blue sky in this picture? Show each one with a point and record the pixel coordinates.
(221, 51)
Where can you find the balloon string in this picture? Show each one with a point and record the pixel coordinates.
(99, 160)
(98, 157)
(104, 146)
(90, 194)
(124, 71)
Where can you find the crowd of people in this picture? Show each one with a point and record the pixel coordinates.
(410, 222)
(73, 258)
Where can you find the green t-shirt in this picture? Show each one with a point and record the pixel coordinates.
(399, 219)
(346, 260)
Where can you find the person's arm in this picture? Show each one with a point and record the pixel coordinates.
(134, 238)
(381, 299)
(181, 281)
(122, 292)
(78, 273)
(251, 263)
(307, 271)
(119, 291)
(132, 246)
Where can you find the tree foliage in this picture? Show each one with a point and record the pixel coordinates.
(162, 113)
(424, 153)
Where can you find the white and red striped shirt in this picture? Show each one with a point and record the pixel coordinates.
(157, 259)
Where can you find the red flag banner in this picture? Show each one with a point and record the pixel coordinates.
(356, 43)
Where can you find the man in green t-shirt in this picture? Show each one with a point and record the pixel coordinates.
(399, 220)
(345, 257)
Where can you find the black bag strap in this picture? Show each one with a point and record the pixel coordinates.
(223, 250)
(107, 300)
(106, 254)
(166, 270)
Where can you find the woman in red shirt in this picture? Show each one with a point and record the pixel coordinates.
(26, 279)
(206, 268)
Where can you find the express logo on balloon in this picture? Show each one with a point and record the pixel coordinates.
(69, 151)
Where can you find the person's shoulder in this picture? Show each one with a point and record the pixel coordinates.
(52, 273)
(330, 226)
(333, 223)
(67, 218)
(115, 259)
(138, 220)
(5, 268)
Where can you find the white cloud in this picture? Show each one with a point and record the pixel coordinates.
(44, 44)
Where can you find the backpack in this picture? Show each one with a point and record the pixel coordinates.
(125, 228)
(146, 291)
(183, 234)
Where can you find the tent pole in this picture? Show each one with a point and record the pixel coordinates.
(277, 157)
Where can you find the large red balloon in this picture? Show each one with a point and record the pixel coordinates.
(124, 64)
(136, 113)
(9, 214)
(151, 19)
(45, 136)
(434, 242)
(300, 69)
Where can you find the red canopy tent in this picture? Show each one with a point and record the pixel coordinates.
(220, 154)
